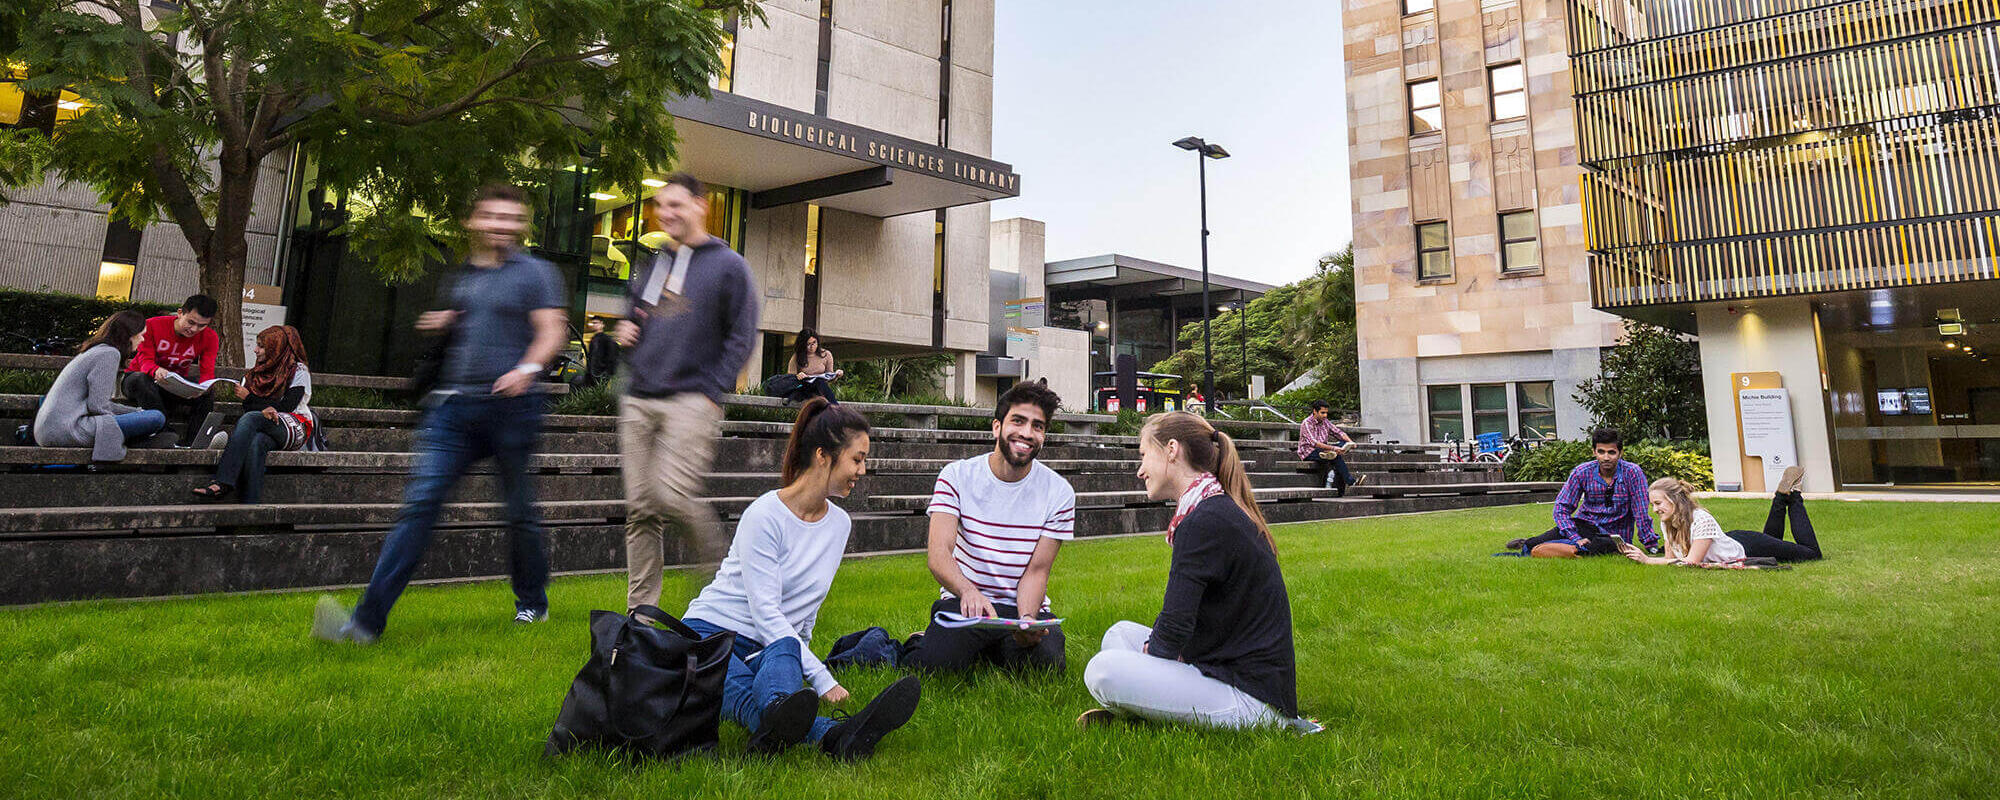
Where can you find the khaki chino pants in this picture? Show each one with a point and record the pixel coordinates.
(668, 445)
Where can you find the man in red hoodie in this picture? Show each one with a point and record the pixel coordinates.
(184, 344)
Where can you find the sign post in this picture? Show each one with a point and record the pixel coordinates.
(262, 308)
(1763, 428)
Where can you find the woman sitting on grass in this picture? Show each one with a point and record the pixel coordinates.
(1220, 653)
(275, 417)
(769, 590)
(1695, 539)
(78, 411)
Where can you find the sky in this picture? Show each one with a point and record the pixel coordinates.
(1089, 96)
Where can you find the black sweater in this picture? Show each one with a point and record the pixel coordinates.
(1226, 610)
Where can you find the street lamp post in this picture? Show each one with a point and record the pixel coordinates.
(1204, 151)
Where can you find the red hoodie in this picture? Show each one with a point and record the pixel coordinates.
(163, 347)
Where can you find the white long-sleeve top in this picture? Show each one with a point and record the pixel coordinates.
(777, 574)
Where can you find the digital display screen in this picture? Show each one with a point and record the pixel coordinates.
(1891, 402)
(1918, 398)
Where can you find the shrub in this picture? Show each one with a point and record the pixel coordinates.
(26, 381)
(351, 397)
(1553, 461)
(28, 317)
(595, 401)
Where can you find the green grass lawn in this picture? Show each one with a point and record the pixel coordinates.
(1438, 670)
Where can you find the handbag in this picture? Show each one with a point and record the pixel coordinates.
(646, 691)
(429, 368)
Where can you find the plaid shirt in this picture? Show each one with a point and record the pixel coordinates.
(1314, 432)
(1617, 507)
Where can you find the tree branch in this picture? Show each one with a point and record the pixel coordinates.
(520, 65)
(181, 202)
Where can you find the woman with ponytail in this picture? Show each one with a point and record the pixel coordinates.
(1220, 652)
(769, 589)
(277, 415)
(1695, 539)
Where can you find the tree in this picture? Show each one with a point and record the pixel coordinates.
(1322, 328)
(411, 103)
(1648, 386)
(1301, 326)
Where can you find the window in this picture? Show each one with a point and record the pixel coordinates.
(1446, 407)
(1519, 249)
(1433, 251)
(1510, 90)
(1426, 107)
(724, 79)
(1537, 405)
(1417, 6)
(114, 281)
(812, 239)
(1489, 409)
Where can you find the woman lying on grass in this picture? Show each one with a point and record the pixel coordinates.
(1695, 539)
(1220, 653)
(769, 590)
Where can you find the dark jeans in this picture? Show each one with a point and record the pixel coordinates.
(954, 649)
(144, 392)
(1770, 542)
(460, 431)
(760, 675)
(1338, 465)
(242, 462)
(791, 388)
(1595, 542)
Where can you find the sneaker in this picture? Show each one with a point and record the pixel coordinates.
(219, 441)
(1516, 544)
(333, 623)
(1360, 479)
(855, 737)
(529, 616)
(1094, 718)
(1794, 475)
(785, 723)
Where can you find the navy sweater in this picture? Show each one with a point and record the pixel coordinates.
(700, 341)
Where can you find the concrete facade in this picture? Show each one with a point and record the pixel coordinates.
(1766, 336)
(1482, 323)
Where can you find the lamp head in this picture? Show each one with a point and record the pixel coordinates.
(1214, 151)
(1191, 143)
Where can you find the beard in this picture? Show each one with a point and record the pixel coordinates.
(1007, 454)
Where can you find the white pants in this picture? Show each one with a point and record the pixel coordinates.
(1132, 683)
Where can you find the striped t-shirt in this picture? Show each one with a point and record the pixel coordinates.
(1000, 523)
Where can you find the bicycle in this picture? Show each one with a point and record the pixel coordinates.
(51, 345)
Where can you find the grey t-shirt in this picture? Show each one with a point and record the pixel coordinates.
(494, 327)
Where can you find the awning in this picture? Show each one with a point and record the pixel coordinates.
(1119, 276)
(783, 156)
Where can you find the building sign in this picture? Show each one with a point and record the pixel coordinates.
(1023, 343)
(262, 308)
(1765, 418)
(1027, 312)
(773, 121)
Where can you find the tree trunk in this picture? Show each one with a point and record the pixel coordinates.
(228, 252)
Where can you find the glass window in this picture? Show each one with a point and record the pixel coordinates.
(725, 77)
(1537, 404)
(1510, 90)
(1518, 246)
(1489, 409)
(1433, 250)
(114, 281)
(1415, 6)
(812, 239)
(1426, 107)
(1447, 421)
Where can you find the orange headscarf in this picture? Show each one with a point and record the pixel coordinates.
(283, 352)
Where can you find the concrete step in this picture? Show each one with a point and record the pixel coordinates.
(51, 566)
(1517, 487)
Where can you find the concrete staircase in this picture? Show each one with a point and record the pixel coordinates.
(71, 530)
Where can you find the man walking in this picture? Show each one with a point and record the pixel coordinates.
(997, 521)
(692, 326)
(1603, 500)
(1324, 445)
(178, 349)
(507, 318)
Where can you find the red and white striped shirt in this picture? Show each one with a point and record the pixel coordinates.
(1000, 523)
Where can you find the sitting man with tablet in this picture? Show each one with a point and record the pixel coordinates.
(996, 522)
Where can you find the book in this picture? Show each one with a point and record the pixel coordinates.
(952, 619)
(182, 387)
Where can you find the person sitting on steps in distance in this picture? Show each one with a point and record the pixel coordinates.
(78, 410)
(185, 344)
(277, 415)
(1321, 441)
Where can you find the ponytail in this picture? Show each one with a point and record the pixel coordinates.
(821, 426)
(1211, 451)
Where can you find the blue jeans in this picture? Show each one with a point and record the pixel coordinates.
(760, 675)
(461, 431)
(141, 424)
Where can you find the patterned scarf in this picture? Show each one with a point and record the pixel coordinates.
(1204, 486)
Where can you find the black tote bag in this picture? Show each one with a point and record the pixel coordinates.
(646, 691)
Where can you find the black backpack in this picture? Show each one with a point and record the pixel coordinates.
(646, 691)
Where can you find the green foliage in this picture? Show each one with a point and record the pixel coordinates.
(1307, 325)
(881, 380)
(26, 381)
(353, 397)
(1553, 461)
(1648, 386)
(405, 107)
(594, 401)
(34, 316)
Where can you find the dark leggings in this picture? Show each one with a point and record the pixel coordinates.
(1770, 542)
(242, 462)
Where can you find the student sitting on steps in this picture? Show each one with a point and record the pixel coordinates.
(277, 415)
(78, 411)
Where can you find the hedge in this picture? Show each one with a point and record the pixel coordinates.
(28, 317)
(1553, 461)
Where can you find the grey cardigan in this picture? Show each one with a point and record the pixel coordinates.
(78, 411)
